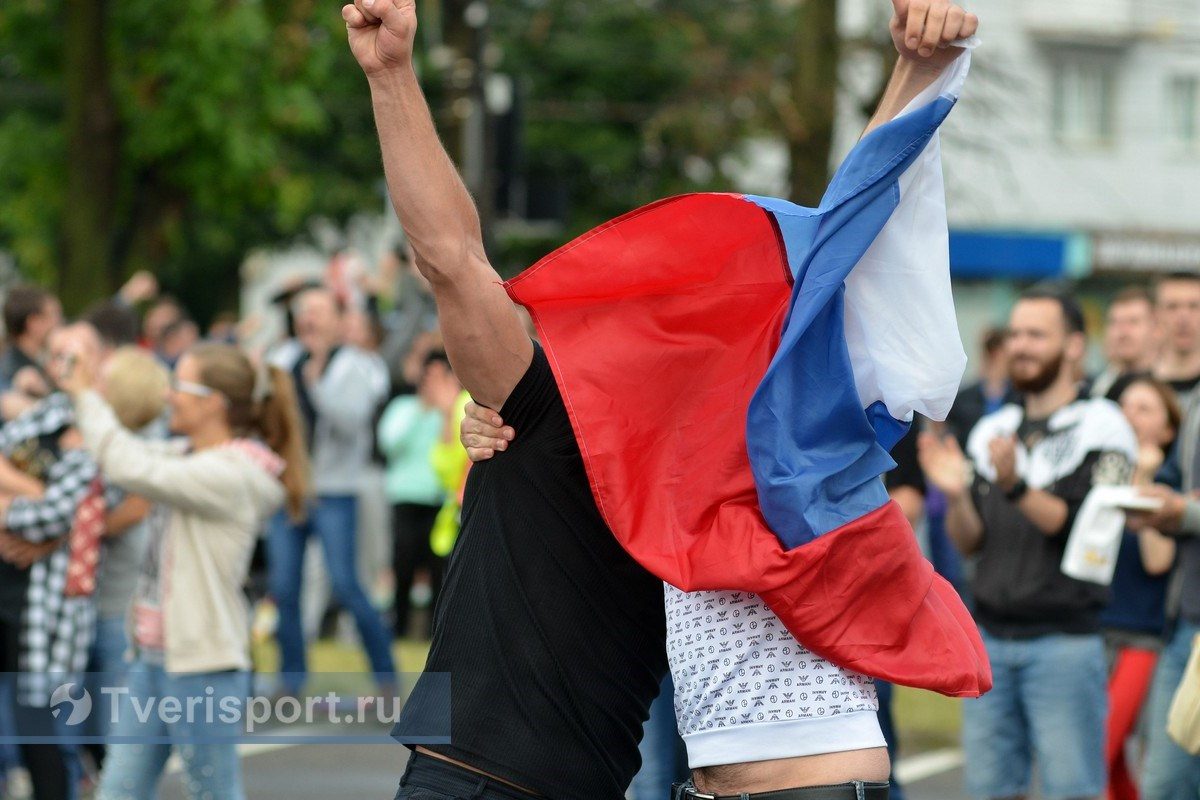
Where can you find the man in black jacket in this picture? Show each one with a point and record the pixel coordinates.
(1033, 465)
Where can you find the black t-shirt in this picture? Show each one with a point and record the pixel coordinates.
(1184, 385)
(908, 468)
(14, 584)
(552, 635)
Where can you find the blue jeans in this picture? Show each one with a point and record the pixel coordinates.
(106, 666)
(9, 755)
(207, 743)
(1049, 705)
(335, 522)
(884, 691)
(1169, 772)
(945, 557)
(664, 760)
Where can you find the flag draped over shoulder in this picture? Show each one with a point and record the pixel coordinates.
(736, 369)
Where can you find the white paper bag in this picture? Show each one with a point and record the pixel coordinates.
(1095, 538)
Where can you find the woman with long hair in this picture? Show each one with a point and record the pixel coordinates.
(1135, 620)
(244, 458)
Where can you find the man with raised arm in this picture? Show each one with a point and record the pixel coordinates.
(552, 635)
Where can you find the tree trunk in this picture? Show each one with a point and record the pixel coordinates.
(814, 89)
(87, 270)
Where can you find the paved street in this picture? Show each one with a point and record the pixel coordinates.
(370, 772)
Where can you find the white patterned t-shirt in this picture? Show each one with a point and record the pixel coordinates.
(746, 690)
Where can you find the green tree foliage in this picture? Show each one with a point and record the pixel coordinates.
(176, 138)
(632, 100)
(235, 122)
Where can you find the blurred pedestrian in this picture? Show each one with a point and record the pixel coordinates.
(987, 394)
(135, 384)
(30, 315)
(409, 429)
(1131, 344)
(177, 338)
(1033, 465)
(164, 311)
(1169, 772)
(1135, 619)
(339, 388)
(412, 314)
(47, 631)
(906, 486)
(1177, 311)
(189, 619)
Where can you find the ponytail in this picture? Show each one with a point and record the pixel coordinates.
(262, 403)
(278, 422)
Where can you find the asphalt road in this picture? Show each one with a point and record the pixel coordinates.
(371, 772)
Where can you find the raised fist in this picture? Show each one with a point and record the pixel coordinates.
(922, 30)
(381, 33)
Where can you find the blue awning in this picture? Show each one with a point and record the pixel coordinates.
(1018, 254)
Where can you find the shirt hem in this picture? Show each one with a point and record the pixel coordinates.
(767, 741)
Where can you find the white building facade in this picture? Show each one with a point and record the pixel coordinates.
(1075, 150)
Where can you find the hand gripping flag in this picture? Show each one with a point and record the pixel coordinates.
(736, 369)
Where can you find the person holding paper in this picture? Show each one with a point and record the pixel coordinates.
(1169, 771)
(1012, 500)
(1135, 619)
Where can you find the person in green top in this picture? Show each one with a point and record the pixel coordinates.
(409, 429)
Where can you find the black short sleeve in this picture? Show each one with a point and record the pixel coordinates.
(908, 469)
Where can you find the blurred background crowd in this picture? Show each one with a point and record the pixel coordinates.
(165, 187)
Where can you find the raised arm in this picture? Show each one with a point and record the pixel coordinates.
(484, 338)
(922, 31)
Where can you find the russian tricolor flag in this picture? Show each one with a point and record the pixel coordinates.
(736, 369)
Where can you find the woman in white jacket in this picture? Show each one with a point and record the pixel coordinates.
(189, 622)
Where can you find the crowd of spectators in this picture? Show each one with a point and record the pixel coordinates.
(142, 461)
(155, 481)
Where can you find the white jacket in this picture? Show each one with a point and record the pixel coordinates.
(219, 500)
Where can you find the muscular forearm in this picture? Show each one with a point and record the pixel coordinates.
(433, 205)
(908, 80)
(963, 524)
(1047, 512)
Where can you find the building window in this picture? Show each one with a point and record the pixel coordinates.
(1083, 101)
(1183, 109)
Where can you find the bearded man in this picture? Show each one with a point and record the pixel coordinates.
(1033, 464)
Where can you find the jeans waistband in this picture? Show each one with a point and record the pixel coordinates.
(435, 774)
(855, 790)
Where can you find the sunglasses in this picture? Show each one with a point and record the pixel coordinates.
(194, 389)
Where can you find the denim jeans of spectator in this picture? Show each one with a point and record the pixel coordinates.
(106, 668)
(664, 758)
(1169, 772)
(334, 521)
(9, 755)
(944, 556)
(1048, 706)
(885, 692)
(206, 741)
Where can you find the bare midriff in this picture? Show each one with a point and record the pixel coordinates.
(870, 765)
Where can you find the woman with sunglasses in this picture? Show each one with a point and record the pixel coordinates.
(189, 619)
